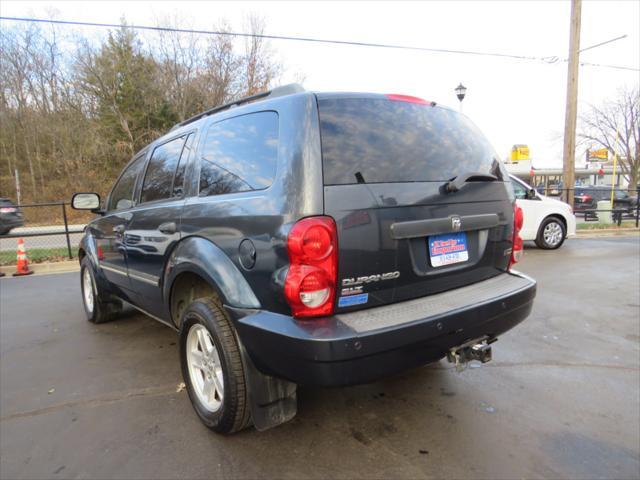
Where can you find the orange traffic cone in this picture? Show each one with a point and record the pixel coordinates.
(22, 266)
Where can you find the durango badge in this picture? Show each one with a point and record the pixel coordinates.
(348, 282)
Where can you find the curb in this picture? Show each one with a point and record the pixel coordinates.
(607, 232)
(45, 268)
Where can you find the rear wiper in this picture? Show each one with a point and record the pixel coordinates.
(456, 183)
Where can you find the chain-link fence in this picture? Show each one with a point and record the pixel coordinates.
(51, 231)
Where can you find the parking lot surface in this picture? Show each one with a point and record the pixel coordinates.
(560, 399)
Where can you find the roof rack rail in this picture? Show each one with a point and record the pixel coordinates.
(289, 89)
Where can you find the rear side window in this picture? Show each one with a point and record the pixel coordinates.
(377, 140)
(158, 180)
(122, 193)
(240, 154)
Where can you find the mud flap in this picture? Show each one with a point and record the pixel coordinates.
(272, 400)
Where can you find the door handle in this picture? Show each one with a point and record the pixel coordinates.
(168, 228)
(119, 229)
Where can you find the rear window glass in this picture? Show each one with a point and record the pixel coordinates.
(375, 140)
(240, 154)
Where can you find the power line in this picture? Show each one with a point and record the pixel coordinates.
(547, 59)
(602, 43)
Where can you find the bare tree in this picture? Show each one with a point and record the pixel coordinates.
(259, 68)
(179, 56)
(615, 125)
(74, 109)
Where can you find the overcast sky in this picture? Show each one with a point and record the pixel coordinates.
(512, 101)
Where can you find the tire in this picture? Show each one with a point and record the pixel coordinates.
(216, 386)
(98, 306)
(551, 234)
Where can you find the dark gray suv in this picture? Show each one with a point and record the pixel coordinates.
(310, 238)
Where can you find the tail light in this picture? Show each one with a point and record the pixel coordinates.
(7, 210)
(310, 284)
(409, 99)
(517, 250)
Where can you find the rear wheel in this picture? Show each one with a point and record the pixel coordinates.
(98, 306)
(551, 234)
(212, 367)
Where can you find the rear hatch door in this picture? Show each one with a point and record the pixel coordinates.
(387, 164)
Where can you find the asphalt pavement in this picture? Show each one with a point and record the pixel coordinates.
(561, 399)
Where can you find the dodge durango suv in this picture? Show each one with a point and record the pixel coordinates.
(295, 237)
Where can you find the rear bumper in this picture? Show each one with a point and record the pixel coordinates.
(571, 225)
(369, 344)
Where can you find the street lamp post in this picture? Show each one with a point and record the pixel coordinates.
(461, 91)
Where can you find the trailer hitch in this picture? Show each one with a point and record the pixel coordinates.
(478, 349)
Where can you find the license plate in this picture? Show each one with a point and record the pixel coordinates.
(448, 249)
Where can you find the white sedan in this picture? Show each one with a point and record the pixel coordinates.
(546, 221)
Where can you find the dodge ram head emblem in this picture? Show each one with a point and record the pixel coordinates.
(456, 223)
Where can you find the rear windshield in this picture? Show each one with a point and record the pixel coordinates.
(376, 140)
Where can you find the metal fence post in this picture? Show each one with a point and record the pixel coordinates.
(637, 206)
(66, 230)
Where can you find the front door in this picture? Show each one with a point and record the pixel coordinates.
(154, 228)
(532, 209)
(109, 230)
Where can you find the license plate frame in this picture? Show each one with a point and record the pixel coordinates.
(448, 249)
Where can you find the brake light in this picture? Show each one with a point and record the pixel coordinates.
(517, 249)
(313, 256)
(7, 210)
(408, 98)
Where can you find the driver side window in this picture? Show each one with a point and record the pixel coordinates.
(121, 196)
(519, 191)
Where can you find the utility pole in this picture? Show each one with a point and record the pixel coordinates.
(571, 112)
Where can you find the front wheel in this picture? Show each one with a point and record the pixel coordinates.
(212, 367)
(97, 307)
(551, 234)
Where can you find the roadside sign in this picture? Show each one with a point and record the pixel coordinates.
(597, 155)
(519, 152)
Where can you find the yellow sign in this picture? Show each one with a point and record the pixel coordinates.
(601, 154)
(519, 152)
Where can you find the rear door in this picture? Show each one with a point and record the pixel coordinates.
(386, 163)
(155, 223)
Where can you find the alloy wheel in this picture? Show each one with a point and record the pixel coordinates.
(205, 368)
(552, 234)
(87, 290)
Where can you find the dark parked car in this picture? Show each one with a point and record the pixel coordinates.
(587, 198)
(10, 216)
(310, 238)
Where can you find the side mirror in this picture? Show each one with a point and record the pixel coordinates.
(86, 201)
(531, 193)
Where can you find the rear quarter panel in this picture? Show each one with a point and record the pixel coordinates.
(264, 217)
